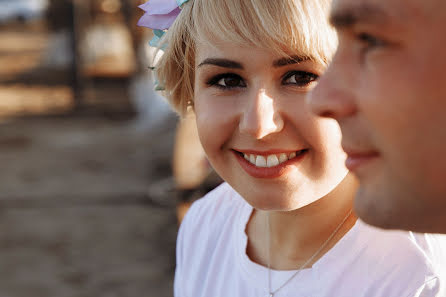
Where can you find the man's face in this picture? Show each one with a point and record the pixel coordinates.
(386, 87)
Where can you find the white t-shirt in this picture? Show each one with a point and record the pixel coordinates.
(366, 262)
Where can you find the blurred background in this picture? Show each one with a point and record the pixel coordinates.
(88, 202)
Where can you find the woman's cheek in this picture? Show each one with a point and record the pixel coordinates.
(217, 123)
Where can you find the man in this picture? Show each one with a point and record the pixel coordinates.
(386, 87)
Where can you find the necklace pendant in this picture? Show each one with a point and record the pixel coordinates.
(271, 294)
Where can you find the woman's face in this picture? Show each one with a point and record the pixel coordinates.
(257, 130)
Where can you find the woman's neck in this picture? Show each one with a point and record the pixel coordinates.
(296, 235)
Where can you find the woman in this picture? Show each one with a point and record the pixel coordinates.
(282, 225)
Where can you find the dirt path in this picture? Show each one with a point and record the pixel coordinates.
(76, 219)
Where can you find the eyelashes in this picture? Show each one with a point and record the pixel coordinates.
(226, 81)
(368, 43)
(299, 78)
(230, 81)
(369, 40)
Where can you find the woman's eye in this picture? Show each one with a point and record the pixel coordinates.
(227, 81)
(299, 78)
(230, 82)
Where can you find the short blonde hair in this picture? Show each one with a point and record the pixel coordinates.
(276, 25)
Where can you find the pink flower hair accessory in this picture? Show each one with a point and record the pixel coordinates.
(159, 16)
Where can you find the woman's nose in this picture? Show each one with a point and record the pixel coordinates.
(260, 116)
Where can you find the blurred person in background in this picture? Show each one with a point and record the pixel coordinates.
(282, 224)
(193, 174)
(386, 88)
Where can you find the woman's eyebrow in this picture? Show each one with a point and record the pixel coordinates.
(290, 60)
(225, 63)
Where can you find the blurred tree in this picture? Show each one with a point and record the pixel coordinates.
(60, 14)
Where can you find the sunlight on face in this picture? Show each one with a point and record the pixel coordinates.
(386, 87)
(257, 130)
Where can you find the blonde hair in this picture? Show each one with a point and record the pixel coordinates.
(276, 25)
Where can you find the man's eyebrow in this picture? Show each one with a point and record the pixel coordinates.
(345, 18)
(290, 60)
(225, 63)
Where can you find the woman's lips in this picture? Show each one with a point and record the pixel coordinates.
(265, 164)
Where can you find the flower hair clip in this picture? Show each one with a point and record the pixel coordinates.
(159, 16)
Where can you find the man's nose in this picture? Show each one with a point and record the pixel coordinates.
(332, 97)
(260, 117)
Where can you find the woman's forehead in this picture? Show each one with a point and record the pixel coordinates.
(228, 49)
(319, 44)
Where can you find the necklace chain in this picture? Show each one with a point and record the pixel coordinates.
(272, 293)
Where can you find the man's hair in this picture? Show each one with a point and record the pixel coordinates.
(286, 27)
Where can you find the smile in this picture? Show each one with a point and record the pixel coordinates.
(271, 160)
(269, 165)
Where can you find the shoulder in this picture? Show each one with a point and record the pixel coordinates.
(423, 250)
(207, 235)
(406, 262)
(433, 249)
(210, 219)
(214, 206)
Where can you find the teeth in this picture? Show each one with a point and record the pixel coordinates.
(283, 157)
(272, 161)
(260, 161)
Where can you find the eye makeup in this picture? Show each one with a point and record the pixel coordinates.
(299, 78)
(226, 81)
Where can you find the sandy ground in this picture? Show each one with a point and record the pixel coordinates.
(76, 218)
(78, 213)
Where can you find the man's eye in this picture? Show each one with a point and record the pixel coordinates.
(227, 81)
(369, 41)
(299, 78)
